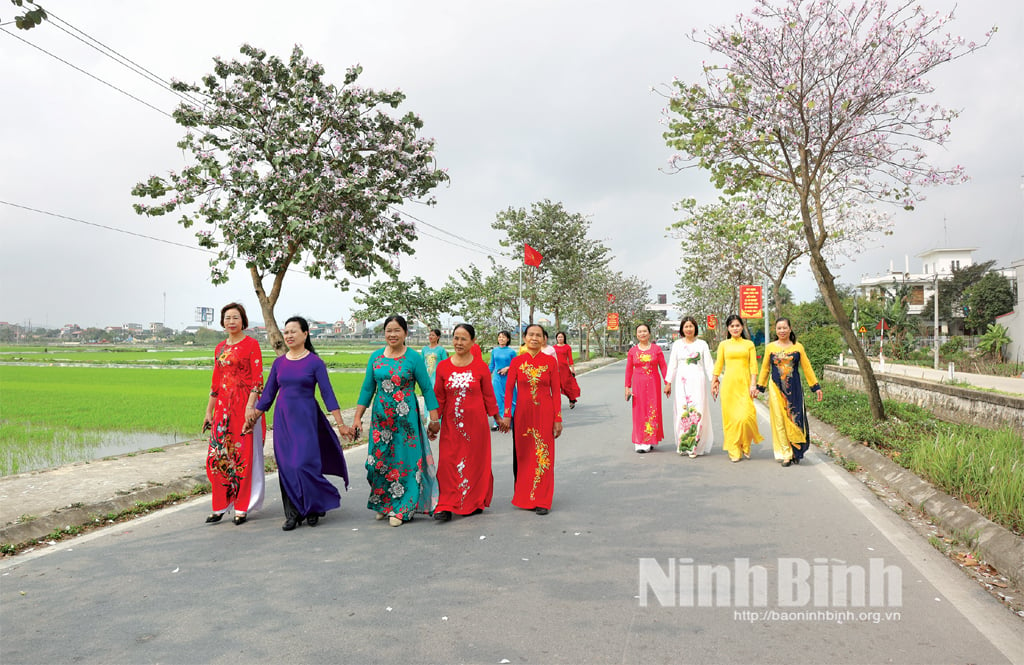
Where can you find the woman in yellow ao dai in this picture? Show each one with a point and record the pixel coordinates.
(738, 358)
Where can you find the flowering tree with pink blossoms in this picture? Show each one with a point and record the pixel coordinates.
(287, 169)
(824, 96)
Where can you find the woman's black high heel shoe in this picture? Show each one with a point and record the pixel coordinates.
(239, 520)
(214, 518)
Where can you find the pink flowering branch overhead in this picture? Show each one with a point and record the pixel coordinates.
(828, 98)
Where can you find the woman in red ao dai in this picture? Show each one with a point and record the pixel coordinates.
(465, 399)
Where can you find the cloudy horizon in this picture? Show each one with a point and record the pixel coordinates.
(527, 101)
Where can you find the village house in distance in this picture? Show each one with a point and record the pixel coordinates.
(938, 265)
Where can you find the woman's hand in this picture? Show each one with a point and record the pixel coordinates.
(504, 425)
(251, 416)
(433, 428)
(668, 388)
(347, 432)
(629, 393)
(714, 388)
(503, 371)
(820, 394)
(558, 430)
(753, 391)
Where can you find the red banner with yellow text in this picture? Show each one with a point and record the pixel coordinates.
(750, 302)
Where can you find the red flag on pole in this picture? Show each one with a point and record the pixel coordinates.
(531, 256)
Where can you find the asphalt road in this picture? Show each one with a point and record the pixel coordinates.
(512, 586)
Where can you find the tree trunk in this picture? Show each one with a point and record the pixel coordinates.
(267, 303)
(776, 285)
(826, 284)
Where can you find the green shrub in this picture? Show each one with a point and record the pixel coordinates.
(953, 345)
(823, 345)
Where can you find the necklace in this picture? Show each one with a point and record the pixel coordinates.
(289, 356)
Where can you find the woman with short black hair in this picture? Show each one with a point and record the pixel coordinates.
(399, 465)
(536, 424)
(465, 398)
(234, 461)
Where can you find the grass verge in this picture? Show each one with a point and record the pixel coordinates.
(982, 468)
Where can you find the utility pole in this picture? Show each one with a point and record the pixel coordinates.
(935, 299)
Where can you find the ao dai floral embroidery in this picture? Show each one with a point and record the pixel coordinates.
(399, 464)
(465, 399)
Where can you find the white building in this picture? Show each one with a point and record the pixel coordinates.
(1014, 321)
(938, 262)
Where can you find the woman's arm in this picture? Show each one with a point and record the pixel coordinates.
(752, 367)
(805, 365)
(253, 412)
(487, 390)
(510, 388)
(629, 373)
(215, 382)
(419, 370)
(366, 392)
(323, 382)
(766, 365)
(717, 371)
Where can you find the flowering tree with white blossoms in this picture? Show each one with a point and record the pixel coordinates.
(824, 96)
(740, 235)
(288, 169)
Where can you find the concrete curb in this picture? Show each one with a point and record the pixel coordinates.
(83, 515)
(996, 544)
(596, 363)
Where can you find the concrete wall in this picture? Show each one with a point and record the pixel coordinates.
(951, 403)
(1014, 321)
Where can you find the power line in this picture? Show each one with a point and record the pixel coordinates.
(489, 250)
(108, 228)
(121, 59)
(140, 235)
(92, 76)
(449, 242)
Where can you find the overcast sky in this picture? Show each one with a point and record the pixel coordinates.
(527, 100)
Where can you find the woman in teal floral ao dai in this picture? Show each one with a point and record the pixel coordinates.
(399, 464)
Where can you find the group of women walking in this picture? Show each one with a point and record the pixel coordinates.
(693, 380)
(465, 400)
(463, 396)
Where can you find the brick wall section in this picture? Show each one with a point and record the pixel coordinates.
(951, 403)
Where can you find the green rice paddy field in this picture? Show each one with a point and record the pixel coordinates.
(350, 358)
(56, 412)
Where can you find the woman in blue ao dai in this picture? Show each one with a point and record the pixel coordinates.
(501, 358)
